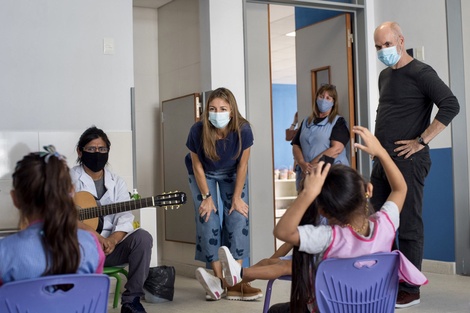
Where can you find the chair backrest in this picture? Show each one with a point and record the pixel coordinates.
(57, 293)
(364, 284)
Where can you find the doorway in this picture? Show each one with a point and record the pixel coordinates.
(301, 61)
(258, 77)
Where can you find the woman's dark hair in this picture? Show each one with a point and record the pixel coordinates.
(342, 196)
(301, 261)
(90, 134)
(43, 187)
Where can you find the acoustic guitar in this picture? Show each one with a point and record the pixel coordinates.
(88, 211)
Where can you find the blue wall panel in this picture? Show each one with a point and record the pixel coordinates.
(438, 208)
(284, 108)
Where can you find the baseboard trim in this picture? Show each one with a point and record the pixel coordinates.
(439, 267)
(187, 270)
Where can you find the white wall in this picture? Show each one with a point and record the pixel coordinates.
(55, 81)
(466, 46)
(179, 75)
(179, 49)
(222, 48)
(55, 75)
(147, 118)
(147, 101)
(15, 144)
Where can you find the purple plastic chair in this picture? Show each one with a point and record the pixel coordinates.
(79, 293)
(364, 284)
(269, 288)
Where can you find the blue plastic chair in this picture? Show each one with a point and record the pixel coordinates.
(269, 289)
(56, 294)
(364, 284)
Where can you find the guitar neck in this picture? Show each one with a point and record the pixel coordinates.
(114, 208)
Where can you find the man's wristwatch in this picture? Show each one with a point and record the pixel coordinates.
(205, 196)
(421, 141)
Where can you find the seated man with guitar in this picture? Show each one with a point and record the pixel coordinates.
(121, 243)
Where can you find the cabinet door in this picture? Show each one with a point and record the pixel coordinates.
(178, 116)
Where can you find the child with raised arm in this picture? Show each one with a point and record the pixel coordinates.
(342, 196)
(279, 264)
(50, 242)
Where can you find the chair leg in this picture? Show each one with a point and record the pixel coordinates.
(117, 291)
(267, 296)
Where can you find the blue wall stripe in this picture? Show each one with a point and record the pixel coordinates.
(306, 16)
(438, 208)
(284, 108)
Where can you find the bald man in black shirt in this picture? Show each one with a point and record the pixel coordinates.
(408, 91)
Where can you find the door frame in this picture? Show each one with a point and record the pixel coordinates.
(357, 63)
(258, 94)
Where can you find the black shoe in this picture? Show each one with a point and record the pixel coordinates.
(133, 307)
(406, 299)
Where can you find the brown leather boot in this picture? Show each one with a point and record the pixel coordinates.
(243, 292)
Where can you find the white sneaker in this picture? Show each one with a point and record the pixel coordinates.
(209, 298)
(211, 284)
(230, 267)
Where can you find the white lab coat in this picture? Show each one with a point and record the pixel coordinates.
(116, 191)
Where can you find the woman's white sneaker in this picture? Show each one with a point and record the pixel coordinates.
(211, 284)
(230, 267)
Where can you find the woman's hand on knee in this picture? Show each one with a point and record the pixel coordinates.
(206, 208)
(240, 206)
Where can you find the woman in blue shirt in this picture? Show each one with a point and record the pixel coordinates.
(217, 164)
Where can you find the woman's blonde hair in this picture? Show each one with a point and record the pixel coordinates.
(209, 131)
(331, 89)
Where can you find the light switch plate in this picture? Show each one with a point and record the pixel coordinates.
(419, 53)
(108, 45)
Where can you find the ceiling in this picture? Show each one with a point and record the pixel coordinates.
(150, 3)
(282, 47)
(282, 20)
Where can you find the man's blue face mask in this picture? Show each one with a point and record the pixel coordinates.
(388, 56)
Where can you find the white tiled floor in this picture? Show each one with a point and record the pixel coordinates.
(443, 294)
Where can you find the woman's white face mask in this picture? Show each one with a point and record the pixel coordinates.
(220, 119)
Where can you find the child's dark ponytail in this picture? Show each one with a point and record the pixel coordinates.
(43, 190)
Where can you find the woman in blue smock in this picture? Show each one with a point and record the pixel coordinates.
(217, 165)
(324, 132)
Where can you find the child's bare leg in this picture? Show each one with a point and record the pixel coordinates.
(270, 271)
(265, 262)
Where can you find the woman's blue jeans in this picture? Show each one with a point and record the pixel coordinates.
(226, 230)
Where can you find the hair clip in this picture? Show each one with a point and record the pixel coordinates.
(50, 151)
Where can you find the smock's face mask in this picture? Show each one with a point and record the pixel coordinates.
(324, 105)
(220, 119)
(389, 56)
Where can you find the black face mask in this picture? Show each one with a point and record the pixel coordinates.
(94, 161)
